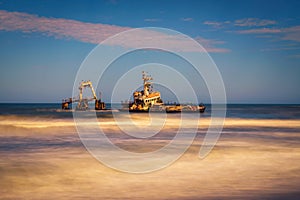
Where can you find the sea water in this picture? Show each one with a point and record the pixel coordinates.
(256, 157)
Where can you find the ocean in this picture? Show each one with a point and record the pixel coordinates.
(256, 157)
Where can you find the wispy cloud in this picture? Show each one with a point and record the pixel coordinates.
(58, 28)
(213, 24)
(259, 31)
(292, 33)
(187, 19)
(289, 33)
(262, 28)
(96, 33)
(245, 22)
(152, 20)
(264, 36)
(210, 44)
(175, 42)
(253, 22)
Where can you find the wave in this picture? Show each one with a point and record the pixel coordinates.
(145, 120)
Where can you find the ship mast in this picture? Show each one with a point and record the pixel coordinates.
(147, 84)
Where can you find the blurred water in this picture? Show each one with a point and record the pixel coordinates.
(256, 157)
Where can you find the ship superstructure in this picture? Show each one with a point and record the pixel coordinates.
(143, 100)
(147, 99)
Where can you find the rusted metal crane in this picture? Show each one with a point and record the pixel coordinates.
(83, 102)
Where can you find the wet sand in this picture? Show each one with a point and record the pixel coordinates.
(253, 159)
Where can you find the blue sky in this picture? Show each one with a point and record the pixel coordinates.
(255, 44)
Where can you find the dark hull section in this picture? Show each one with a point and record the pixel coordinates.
(168, 109)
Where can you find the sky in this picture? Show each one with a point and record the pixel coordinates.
(254, 44)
